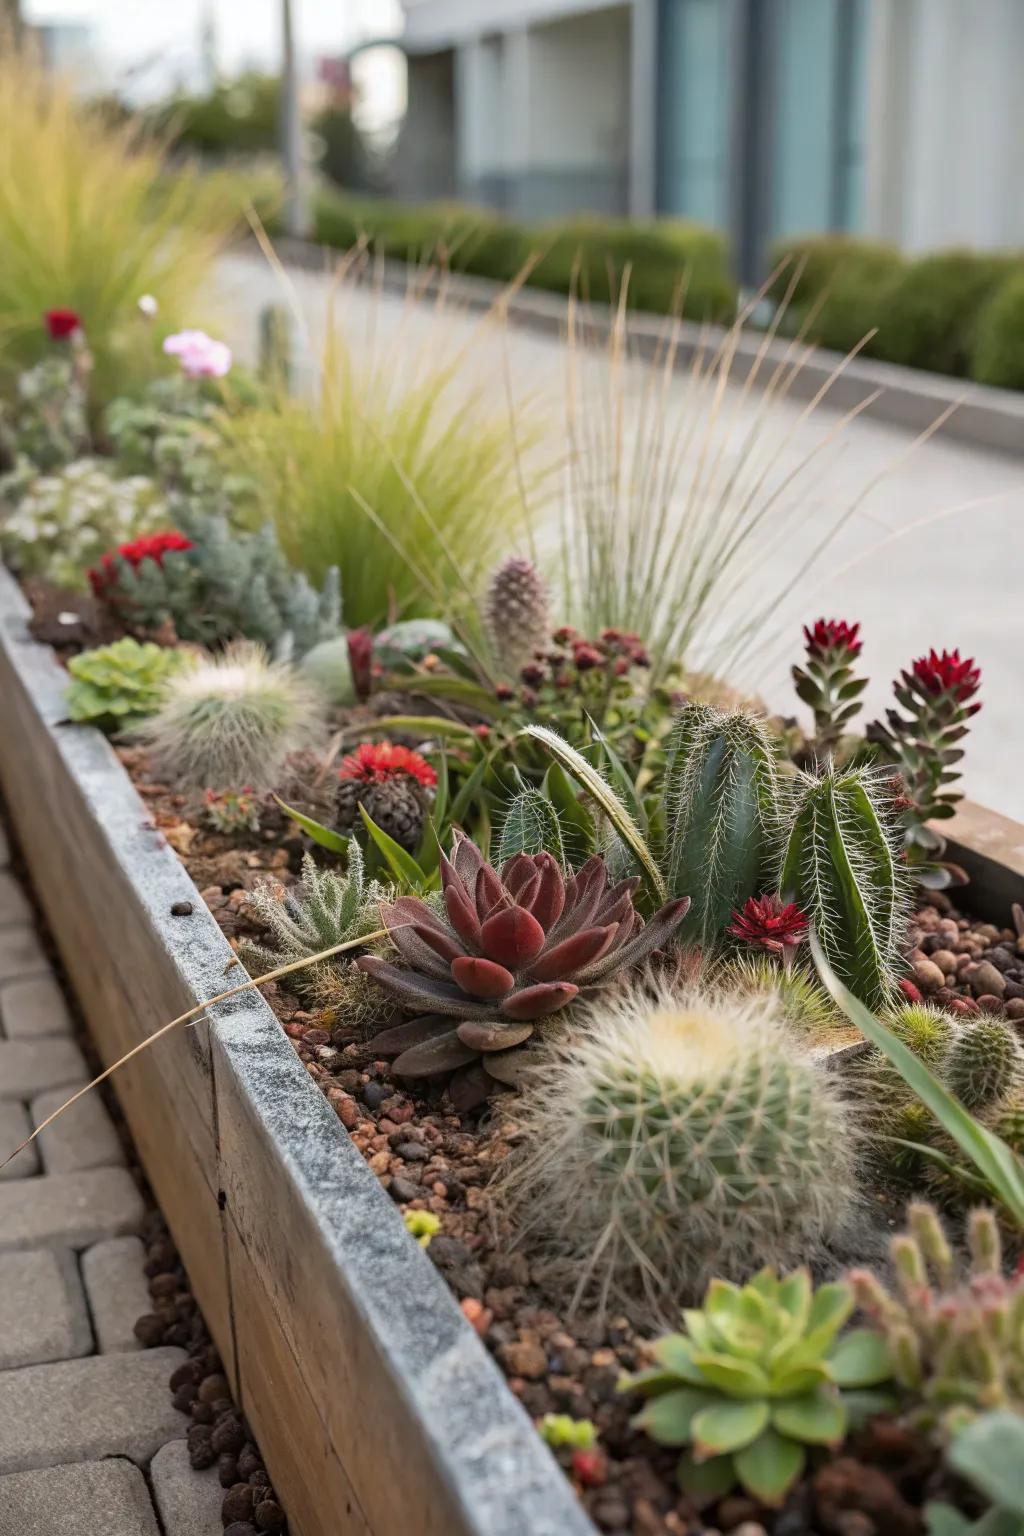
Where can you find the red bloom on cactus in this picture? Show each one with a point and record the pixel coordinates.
(151, 546)
(769, 924)
(947, 673)
(586, 657)
(832, 635)
(375, 761)
(62, 323)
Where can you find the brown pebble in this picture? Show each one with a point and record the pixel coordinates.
(269, 1516)
(989, 1003)
(184, 1396)
(945, 960)
(522, 1358)
(227, 1471)
(986, 980)
(149, 1330)
(929, 976)
(181, 909)
(1015, 1008)
(249, 1461)
(240, 1528)
(238, 1503)
(212, 1388)
(229, 1435)
(189, 1371)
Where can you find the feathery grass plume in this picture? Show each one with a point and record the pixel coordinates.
(803, 1002)
(840, 863)
(517, 607)
(324, 909)
(678, 1135)
(722, 804)
(90, 220)
(234, 719)
(984, 1062)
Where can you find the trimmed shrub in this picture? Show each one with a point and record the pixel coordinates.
(847, 279)
(998, 356)
(928, 318)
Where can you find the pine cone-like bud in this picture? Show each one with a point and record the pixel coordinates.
(518, 612)
(398, 806)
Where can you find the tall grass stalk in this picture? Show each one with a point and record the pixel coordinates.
(88, 222)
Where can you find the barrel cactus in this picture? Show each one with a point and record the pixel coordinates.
(984, 1062)
(683, 1135)
(517, 610)
(840, 863)
(721, 791)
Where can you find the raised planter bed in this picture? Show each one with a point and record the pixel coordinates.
(375, 1405)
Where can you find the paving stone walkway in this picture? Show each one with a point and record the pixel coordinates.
(89, 1439)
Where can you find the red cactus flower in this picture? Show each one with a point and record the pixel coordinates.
(62, 323)
(830, 635)
(770, 925)
(375, 761)
(586, 657)
(910, 991)
(564, 636)
(533, 674)
(947, 673)
(151, 546)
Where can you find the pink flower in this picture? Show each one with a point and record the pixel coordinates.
(200, 356)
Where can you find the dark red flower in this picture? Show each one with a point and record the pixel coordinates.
(564, 636)
(946, 673)
(504, 692)
(533, 674)
(830, 635)
(375, 761)
(151, 546)
(586, 657)
(360, 659)
(766, 922)
(590, 1467)
(62, 323)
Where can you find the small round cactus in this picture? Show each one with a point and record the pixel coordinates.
(984, 1062)
(804, 1003)
(517, 610)
(683, 1135)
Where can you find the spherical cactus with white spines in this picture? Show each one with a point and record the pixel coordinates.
(984, 1062)
(518, 612)
(684, 1135)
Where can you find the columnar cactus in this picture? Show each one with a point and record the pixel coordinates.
(721, 791)
(682, 1136)
(841, 865)
(984, 1062)
(827, 683)
(517, 612)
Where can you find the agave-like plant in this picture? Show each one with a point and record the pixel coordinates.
(514, 947)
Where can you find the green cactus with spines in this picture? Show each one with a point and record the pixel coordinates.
(923, 1029)
(1006, 1119)
(840, 864)
(803, 1000)
(984, 1062)
(722, 805)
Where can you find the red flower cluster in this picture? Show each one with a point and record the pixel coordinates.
(770, 925)
(829, 635)
(62, 323)
(947, 674)
(574, 656)
(375, 761)
(152, 546)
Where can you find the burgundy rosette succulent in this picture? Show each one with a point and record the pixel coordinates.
(513, 947)
(770, 924)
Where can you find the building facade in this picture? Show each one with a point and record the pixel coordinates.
(893, 119)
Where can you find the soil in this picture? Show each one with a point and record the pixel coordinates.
(428, 1157)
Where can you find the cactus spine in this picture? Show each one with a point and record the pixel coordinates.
(721, 791)
(840, 864)
(517, 610)
(984, 1063)
(684, 1135)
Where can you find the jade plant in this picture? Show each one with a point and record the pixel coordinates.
(759, 1375)
(512, 947)
(827, 681)
(117, 687)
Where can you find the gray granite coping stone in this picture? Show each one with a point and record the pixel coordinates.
(189, 1502)
(43, 1315)
(108, 1497)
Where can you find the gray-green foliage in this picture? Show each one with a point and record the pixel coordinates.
(229, 585)
(840, 864)
(62, 522)
(721, 793)
(46, 424)
(531, 825)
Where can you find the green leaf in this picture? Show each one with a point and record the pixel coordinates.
(990, 1452)
(997, 1163)
(864, 1404)
(427, 725)
(668, 1418)
(605, 797)
(402, 865)
(728, 1426)
(739, 1378)
(706, 1479)
(860, 1359)
(818, 1418)
(315, 829)
(674, 1353)
(460, 689)
(769, 1468)
(579, 834)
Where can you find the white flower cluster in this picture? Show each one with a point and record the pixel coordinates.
(64, 522)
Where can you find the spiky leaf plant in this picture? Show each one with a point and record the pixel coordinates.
(840, 864)
(517, 609)
(531, 825)
(721, 791)
(678, 1135)
(984, 1062)
(233, 720)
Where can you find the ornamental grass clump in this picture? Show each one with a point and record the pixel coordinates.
(513, 947)
(231, 720)
(760, 1375)
(677, 1135)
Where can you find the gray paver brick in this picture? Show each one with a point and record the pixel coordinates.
(189, 1502)
(28, 1067)
(43, 1314)
(15, 1125)
(68, 1210)
(117, 1292)
(81, 1410)
(97, 1496)
(82, 1137)
(15, 906)
(21, 954)
(32, 1007)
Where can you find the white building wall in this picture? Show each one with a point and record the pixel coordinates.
(579, 92)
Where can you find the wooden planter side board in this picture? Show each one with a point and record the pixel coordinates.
(375, 1405)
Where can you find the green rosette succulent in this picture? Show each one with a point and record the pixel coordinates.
(760, 1374)
(116, 687)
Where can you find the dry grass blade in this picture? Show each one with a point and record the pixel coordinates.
(194, 1016)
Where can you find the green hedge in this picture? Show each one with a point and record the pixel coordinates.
(661, 256)
(944, 312)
